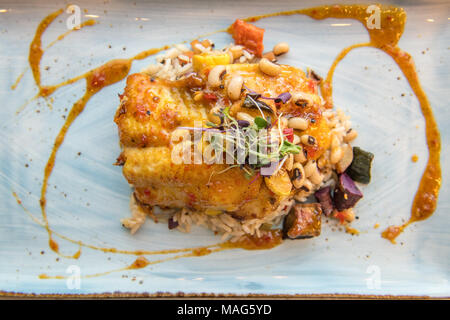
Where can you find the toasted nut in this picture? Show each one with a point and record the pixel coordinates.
(351, 135)
(298, 123)
(269, 68)
(298, 177)
(215, 76)
(308, 140)
(244, 116)
(234, 87)
(280, 48)
(346, 160)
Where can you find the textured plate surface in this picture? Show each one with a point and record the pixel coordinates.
(87, 195)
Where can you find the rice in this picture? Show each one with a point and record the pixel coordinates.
(171, 65)
(229, 227)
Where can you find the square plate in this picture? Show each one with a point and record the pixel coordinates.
(87, 195)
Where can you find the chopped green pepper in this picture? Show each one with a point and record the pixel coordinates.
(359, 169)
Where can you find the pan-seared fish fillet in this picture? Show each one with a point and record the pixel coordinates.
(151, 109)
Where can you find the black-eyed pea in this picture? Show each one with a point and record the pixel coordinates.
(308, 140)
(298, 175)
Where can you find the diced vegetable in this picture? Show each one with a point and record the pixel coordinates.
(208, 59)
(249, 36)
(289, 134)
(346, 193)
(361, 165)
(279, 183)
(261, 123)
(304, 221)
(324, 197)
(283, 97)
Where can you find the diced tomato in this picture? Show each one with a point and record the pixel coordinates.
(312, 85)
(249, 36)
(289, 134)
(340, 215)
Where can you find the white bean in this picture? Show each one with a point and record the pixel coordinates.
(346, 159)
(308, 140)
(298, 123)
(310, 168)
(300, 157)
(215, 75)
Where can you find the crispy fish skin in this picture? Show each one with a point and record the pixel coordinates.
(151, 109)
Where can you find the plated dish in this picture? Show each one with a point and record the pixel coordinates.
(231, 140)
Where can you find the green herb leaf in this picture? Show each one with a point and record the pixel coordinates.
(289, 147)
(261, 123)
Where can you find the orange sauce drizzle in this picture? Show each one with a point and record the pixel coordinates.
(386, 39)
